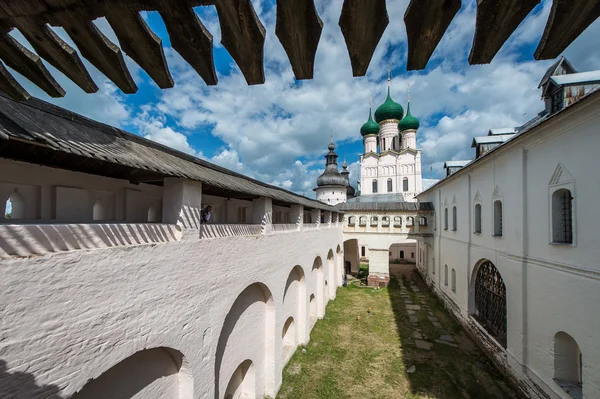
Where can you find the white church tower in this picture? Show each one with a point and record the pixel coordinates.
(391, 163)
(331, 185)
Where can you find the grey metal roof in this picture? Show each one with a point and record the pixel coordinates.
(501, 138)
(504, 130)
(577, 78)
(428, 183)
(385, 206)
(37, 132)
(378, 198)
(455, 164)
(550, 71)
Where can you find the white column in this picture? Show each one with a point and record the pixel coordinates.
(182, 202)
(315, 215)
(262, 213)
(328, 218)
(379, 267)
(297, 216)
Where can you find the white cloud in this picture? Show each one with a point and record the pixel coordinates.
(154, 127)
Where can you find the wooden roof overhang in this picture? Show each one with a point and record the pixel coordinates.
(298, 28)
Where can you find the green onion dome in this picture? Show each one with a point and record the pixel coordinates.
(370, 127)
(409, 122)
(389, 110)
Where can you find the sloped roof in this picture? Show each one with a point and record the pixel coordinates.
(455, 164)
(38, 132)
(385, 206)
(505, 130)
(577, 78)
(501, 138)
(552, 70)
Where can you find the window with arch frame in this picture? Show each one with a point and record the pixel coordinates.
(389, 185)
(454, 218)
(477, 227)
(498, 218)
(374, 184)
(562, 216)
(405, 184)
(446, 218)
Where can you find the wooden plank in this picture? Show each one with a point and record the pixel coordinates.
(58, 53)
(426, 22)
(299, 31)
(362, 23)
(95, 47)
(243, 35)
(10, 86)
(191, 39)
(568, 19)
(139, 42)
(29, 65)
(496, 21)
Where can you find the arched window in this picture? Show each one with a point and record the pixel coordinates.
(405, 184)
(445, 275)
(477, 229)
(351, 220)
(568, 364)
(389, 185)
(410, 221)
(453, 218)
(374, 220)
(362, 221)
(412, 255)
(385, 221)
(152, 213)
(401, 254)
(422, 221)
(490, 301)
(453, 280)
(498, 218)
(397, 221)
(362, 251)
(374, 185)
(15, 207)
(383, 149)
(445, 218)
(562, 216)
(98, 212)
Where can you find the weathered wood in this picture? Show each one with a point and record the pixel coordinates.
(362, 23)
(10, 86)
(496, 21)
(95, 47)
(58, 53)
(29, 65)
(140, 43)
(243, 35)
(567, 20)
(299, 31)
(426, 22)
(191, 39)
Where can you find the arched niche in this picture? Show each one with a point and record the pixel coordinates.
(158, 373)
(242, 384)
(313, 311)
(289, 339)
(331, 287)
(568, 364)
(250, 319)
(318, 285)
(294, 301)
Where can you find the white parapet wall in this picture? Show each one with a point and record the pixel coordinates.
(189, 318)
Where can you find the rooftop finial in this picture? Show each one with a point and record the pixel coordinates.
(389, 74)
(409, 92)
(370, 99)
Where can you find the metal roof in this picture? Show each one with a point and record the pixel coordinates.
(577, 78)
(505, 130)
(385, 206)
(37, 132)
(298, 27)
(455, 164)
(501, 138)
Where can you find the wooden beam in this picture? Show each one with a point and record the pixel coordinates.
(97, 49)
(299, 31)
(58, 53)
(10, 86)
(191, 39)
(139, 42)
(29, 65)
(243, 35)
(362, 23)
(426, 22)
(568, 19)
(496, 21)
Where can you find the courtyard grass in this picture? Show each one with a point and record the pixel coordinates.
(360, 353)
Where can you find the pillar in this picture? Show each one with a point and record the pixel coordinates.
(262, 213)
(328, 218)
(379, 267)
(315, 215)
(297, 216)
(182, 202)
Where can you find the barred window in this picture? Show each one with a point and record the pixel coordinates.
(389, 185)
(562, 216)
(445, 218)
(454, 218)
(498, 218)
(405, 184)
(374, 186)
(477, 229)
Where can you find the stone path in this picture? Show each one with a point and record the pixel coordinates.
(419, 315)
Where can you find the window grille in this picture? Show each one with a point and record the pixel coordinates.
(445, 218)
(490, 301)
(562, 218)
(389, 185)
(478, 218)
(498, 218)
(374, 186)
(454, 218)
(405, 184)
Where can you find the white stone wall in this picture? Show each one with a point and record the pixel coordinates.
(550, 288)
(395, 166)
(331, 195)
(70, 317)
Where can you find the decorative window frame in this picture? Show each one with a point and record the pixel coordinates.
(562, 179)
(498, 196)
(477, 201)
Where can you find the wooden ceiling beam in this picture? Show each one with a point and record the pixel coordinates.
(568, 19)
(10, 86)
(139, 42)
(496, 21)
(299, 31)
(362, 24)
(426, 22)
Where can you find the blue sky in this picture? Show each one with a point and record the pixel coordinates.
(278, 132)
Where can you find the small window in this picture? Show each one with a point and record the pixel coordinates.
(454, 218)
(562, 216)
(15, 207)
(405, 184)
(362, 251)
(401, 254)
(383, 144)
(374, 220)
(568, 364)
(351, 220)
(98, 212)
(412, 255)
(422, 221)
(389, 185)
(152, 213)
(498, 218)
(374, 186)
(446, 275)
(410, 221)
(453, 280)
(362, 221)
(445, 218)
(397, 221)
(477, 229)
(385, 221)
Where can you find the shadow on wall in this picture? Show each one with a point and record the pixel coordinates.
(438, 358)
(37, 239)
(23, 385)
